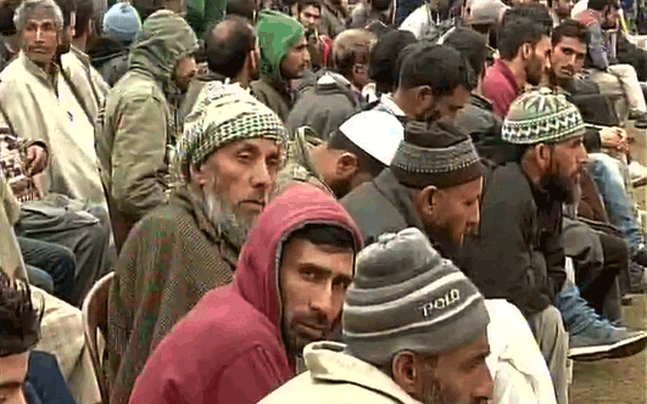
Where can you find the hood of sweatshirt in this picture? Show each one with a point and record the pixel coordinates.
(256, 277)
(165, 38)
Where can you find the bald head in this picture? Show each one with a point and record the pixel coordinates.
(228, 44)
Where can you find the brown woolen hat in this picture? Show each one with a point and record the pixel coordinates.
(436, 154)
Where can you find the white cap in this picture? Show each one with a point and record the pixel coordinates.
(378, 133)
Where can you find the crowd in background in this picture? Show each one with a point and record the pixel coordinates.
(393, 201)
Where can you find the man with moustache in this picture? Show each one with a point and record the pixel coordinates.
(228, 159)
(284, 57)
(140, 120)
(607, 253)
(524, 46)
(405, 302)
(518, 252)
(434, 183)
(433, 83)
(242, 341)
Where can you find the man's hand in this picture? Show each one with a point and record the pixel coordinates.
(614, 138)
(36, 160)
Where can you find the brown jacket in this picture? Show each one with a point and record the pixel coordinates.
(172, 257)
(273, 94)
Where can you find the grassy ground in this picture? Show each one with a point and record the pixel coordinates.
(614, 381)
(618, 381)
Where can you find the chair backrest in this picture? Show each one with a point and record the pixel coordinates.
(95, 320)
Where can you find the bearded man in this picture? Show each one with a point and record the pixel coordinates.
(228, 158)
(518, 253)
(414, 330)
(524, 46)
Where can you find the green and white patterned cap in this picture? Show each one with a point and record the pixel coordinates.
(225, 113)
(542, 116)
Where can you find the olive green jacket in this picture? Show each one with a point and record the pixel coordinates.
(139, 122)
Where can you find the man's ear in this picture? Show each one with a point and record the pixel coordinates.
(405, 372)
(347, 165)
(424, 95)
(526, 51)
(91, 30)
(543, 155)
(426, 199)
(253, 59)
(198, 175)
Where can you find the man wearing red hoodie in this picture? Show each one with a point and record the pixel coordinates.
(242, 341)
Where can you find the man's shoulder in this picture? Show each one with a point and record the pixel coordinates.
(167, 221)
(508, 185)
(237, 323)
(263, 89)
(14, 71)
(134, 86)
(372, 211)
(495, 77)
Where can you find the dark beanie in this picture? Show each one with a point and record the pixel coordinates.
(405, 296)
(436, 154)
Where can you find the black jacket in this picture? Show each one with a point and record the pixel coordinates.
(518, 254)
(596, 109)
(381, 206)
(484, 127)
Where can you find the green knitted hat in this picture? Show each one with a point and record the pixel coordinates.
(542, 116)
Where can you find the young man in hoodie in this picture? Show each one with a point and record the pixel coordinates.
(139, 120)
(242, 341)
(414, 329)
(332, 96)
(284, 57)
(228, 157)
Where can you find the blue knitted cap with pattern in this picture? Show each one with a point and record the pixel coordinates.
(542, 116)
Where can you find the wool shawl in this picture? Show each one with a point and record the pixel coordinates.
(171, 258)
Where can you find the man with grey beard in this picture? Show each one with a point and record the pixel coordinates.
(227, 161)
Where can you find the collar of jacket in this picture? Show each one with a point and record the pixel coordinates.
(399, 196)
(211, 76)
(327, 361)
(221, 235)
(282, 86)
(542, 199)
(33, 68)
(481, 102)
(82, 56)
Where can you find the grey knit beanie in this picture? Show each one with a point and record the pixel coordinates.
(405, 296)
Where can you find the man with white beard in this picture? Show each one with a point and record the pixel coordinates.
(227, 161)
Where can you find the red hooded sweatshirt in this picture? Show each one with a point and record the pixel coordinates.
(229, 348)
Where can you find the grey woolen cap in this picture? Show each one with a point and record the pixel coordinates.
(405, 296)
